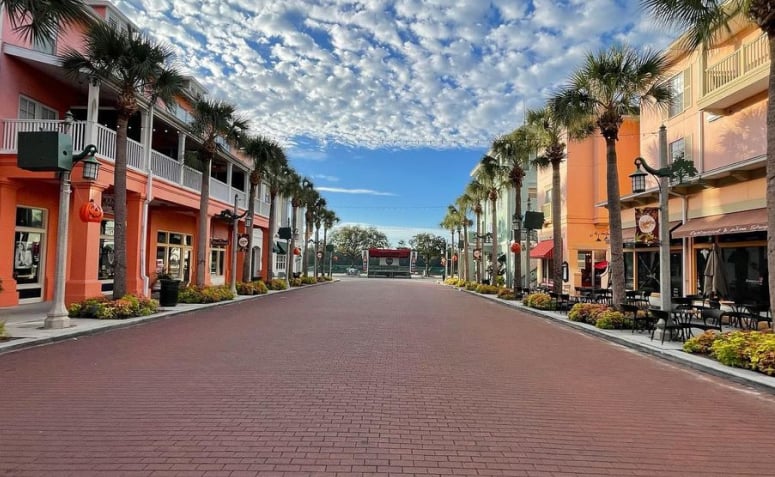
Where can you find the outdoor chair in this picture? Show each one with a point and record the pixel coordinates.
(711, 319)
(640, 321)
(670, 325)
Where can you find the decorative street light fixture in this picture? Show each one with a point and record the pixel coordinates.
(53, 151)
(231, 215)
(663, 174)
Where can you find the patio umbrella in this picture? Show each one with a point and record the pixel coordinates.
(715, 280)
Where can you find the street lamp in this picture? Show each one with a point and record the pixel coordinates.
(516, 222)
(232, 216)
(663, 175)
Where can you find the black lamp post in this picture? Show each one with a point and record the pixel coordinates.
(233, 217)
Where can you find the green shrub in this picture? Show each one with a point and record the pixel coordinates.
(251, 288)
(611, 320)
(506, 293)
(586, 312)
(212, 294)
(487, 289)
(451, 281)
(542, 301)
(296, 282)
(471, 286)
(734, 348)
(277, 284)
(763, 354)
(103, 308)
(3, 331)
(700, 344)
(308, 280)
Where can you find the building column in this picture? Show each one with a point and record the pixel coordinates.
(182, 154)
(8, 188)
(134, 279)
(92, 112)
(83, 252)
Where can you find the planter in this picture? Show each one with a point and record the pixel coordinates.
(168, 293)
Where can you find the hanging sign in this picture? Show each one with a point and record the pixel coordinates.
(646, 225)
(242, 242)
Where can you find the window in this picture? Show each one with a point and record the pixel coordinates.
(217, 262)
(107, 254)
(30, 109)
(681, 86)
(173, 254)
(677, 150)
(45, 45)
(29, 253)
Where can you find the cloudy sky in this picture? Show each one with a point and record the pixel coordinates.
(387, 105)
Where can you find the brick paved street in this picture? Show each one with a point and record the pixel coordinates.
(369, 377)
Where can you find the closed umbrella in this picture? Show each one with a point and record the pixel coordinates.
(715, 280)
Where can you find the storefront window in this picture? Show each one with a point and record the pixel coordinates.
(28, 252)
(107, 253)
(173, 254)
(746, 273)
(217, 261)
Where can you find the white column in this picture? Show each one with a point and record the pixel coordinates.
(664, 225)
(182, 154)
(92, 112)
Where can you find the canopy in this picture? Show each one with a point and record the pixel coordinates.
(543, 249)
(754, 220)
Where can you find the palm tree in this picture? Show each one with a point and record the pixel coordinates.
(465, 205)
(40, 21)
(263, 151)
(514, 151)
(610, 85)
(278, 175)
(137, 66)
(329, 220)
(491, 173)
(548, 130)
(212, 119)
(477, 193)
(705, 22)
(291, 187)
(310, 200)
(450, 222)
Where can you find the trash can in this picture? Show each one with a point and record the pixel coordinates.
(168, 293)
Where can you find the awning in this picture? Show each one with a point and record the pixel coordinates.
(628, 234)
(279, 248)
(754, 220)
(543, 249)
(601, 265)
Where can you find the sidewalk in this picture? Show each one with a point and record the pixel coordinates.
(641, 341)
(24, 323)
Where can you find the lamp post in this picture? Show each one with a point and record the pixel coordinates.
(663, 175)
(232, 216)
(57, 317)
(516, 222)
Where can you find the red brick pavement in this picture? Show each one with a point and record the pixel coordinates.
(369, 377)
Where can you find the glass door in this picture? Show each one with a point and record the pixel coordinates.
(29, 253)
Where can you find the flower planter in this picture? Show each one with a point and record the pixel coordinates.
(168, 293)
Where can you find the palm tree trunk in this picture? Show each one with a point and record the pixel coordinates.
(518, 237)
(494, 258)
(464, 254)
(247, 264)
(771, 176)
(478, 261)
(557, 255)
(614, 223)
(271, 232)
(291, 258)
(307, 236)
(120, 211)
(325, 255)
(204, 224)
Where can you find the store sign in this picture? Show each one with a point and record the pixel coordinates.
(108, 203)
(219, 243)
(646, 225)
(243, 241)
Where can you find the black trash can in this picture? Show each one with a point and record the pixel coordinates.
(168, 293)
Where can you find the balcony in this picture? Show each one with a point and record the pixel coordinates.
(162, 167)
(736, 77)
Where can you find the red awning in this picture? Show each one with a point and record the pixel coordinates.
(601, 265)
(543, 249)
(754, 220)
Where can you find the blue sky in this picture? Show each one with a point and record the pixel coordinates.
(387, 105)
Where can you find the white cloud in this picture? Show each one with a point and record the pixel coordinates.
(325, 177)
(375, 73)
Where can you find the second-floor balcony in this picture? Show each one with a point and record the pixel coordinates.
(738, 76)
(161, 166)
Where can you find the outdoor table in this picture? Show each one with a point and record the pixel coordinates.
(736, 315)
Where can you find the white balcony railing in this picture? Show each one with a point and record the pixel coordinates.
(165, 167)
(162, 166)
(738, 64)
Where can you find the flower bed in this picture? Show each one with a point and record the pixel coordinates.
(277, 284)
(104, 308)
(753, 350)
(212, 294)
(541, 301)
(251, 288)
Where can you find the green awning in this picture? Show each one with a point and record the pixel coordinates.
(280, 248)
